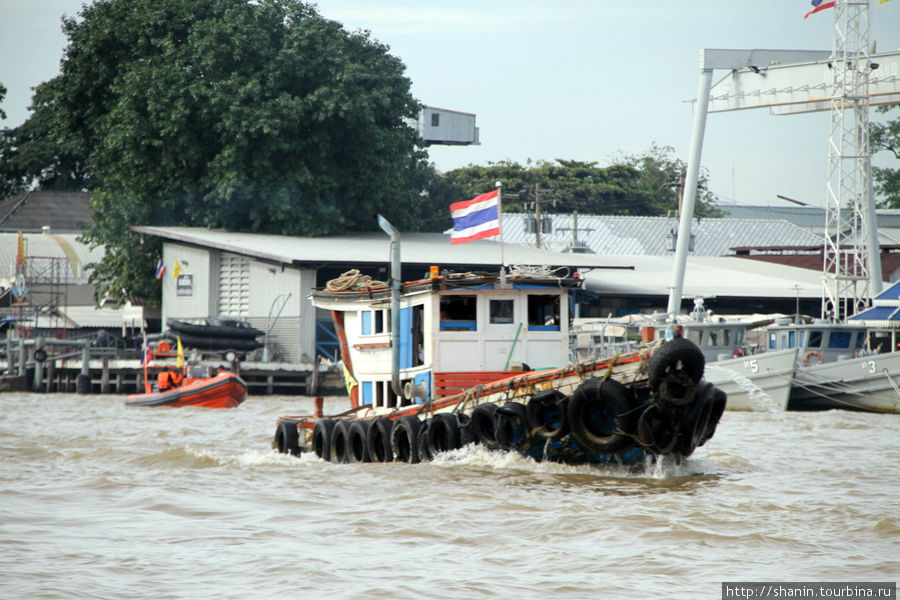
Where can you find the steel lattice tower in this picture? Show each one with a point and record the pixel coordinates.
(851, 254)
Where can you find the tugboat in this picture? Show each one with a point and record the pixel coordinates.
(452, 359)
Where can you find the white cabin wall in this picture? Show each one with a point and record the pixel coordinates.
(495, 347)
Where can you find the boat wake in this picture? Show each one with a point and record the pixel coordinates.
(652, 467)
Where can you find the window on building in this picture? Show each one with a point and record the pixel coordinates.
(459, 313)
(543, 312)
(502, 312)
(839, 339)
(815, 339)
(435, 119)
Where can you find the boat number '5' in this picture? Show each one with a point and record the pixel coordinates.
(752, 365)
(869, 366)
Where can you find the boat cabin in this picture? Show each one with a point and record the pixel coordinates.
(717, 337)
(820, 341)
(455, 332)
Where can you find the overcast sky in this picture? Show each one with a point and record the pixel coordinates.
(574, 79)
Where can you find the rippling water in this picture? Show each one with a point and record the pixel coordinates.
(100, 501)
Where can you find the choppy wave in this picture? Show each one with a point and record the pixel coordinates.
(102, 501)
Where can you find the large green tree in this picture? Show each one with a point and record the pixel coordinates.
(647, 184)
(257, 116)
(34, 153)
(886, 137)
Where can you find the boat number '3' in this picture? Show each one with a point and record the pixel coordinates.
(869, 365)
(752, 365)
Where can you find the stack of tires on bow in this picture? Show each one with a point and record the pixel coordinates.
(670, 412)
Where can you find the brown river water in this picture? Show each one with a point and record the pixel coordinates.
(102, 501)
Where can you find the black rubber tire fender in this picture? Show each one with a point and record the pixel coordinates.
(693, 420)
(425, 454)
(405, 437)
(600, 414)
(466, 433)
(716, 410)
(340, 442)
(358, 441)
(483, 424)
(656, 432)
(511, 426)
(287, 439)
(675, 368)
(675, 356)
(547, 413)
(321, 438)
(40, 355)
(443, 434)
(379, 440)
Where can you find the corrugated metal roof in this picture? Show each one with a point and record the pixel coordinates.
(707, 276)
(42, 246)
(804, 216)
(654, 235)
(369, 248)
(625, 275)
(61, 211)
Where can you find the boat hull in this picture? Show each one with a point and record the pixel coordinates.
(760, 382)
(868, 383)
(619, 409)
(225, 390)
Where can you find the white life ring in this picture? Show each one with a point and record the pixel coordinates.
(813, 354)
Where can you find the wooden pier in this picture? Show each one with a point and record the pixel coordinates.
(88, 370)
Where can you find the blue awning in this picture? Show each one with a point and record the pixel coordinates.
(892, 293)
(878, 313)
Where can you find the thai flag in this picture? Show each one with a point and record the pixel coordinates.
(160, 269)
(817, 6)
(476, 218)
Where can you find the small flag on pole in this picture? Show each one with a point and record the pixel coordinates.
(176, 270)
(818, 5)
(476, 219)
(160, 269)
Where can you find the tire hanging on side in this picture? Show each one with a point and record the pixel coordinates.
(287, 440)
(358, 441)
(321, 438)
(511, 427)
(547, 415)
(340, 442)
(425, 454)
(404, 439)
(483, 425)
(675, 369)
(601, 415)
(443, 434)
(379, 440)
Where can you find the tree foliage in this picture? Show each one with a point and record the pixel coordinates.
(886, 137)
(34, 153)
(647, 184)
(257, 116)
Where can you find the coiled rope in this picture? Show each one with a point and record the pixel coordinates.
(350, 280)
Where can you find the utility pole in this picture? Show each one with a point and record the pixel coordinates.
(575, 229)
(537, 213)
